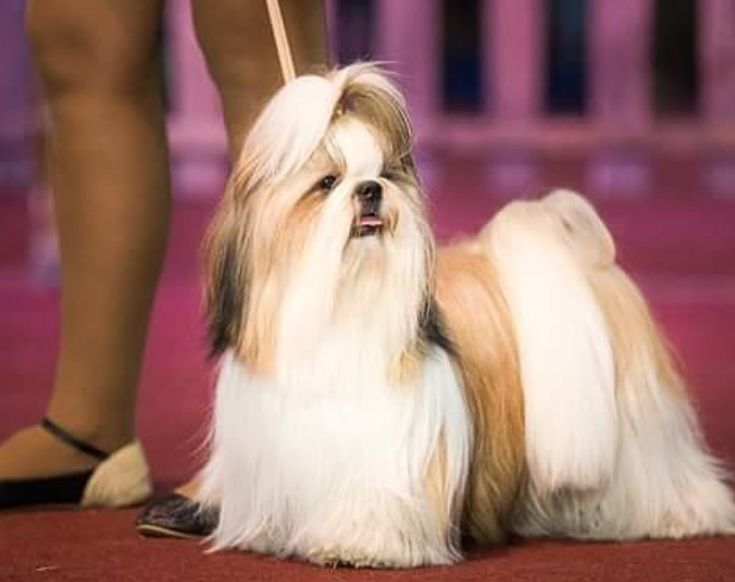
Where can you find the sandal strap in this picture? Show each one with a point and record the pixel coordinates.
(71, 440)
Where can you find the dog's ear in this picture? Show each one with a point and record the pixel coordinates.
(226, 277)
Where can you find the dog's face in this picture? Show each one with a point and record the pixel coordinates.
(326, 224)
(347, 198)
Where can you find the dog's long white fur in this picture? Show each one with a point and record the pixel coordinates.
(567, 366)
(328, 458)
(332, 467)
(609, 457)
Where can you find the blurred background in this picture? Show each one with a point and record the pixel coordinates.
(607, 88)
(630, 101)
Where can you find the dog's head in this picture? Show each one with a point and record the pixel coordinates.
(323, 217)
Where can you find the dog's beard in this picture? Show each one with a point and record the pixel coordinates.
(362, 280)
(325, 264)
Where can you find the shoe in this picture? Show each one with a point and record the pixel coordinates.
(121, 479)
(176, 516)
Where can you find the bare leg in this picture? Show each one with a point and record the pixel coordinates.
(97, 61)
(238, 44)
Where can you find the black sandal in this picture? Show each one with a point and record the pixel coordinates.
(177, 516)
(120, 479)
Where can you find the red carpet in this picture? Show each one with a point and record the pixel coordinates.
(102, 546)
(681, 250)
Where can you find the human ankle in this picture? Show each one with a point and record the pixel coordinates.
(107, 435)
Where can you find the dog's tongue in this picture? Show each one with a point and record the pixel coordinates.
(370, 220)
(366, 225)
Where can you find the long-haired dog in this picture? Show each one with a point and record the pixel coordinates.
(379, 400)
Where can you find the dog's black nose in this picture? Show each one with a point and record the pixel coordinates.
(369, 191)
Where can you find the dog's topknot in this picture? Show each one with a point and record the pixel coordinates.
(297, 118)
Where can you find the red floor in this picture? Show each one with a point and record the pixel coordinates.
(682, 251)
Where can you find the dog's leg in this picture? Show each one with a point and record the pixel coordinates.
(666, 484)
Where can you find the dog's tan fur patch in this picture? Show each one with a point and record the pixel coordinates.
(489, 365)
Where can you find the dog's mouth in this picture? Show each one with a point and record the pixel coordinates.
(367, 224)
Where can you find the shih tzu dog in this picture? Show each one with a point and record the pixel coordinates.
(379, 401)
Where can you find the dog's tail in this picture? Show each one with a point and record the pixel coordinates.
(543, 250)
(604, 402)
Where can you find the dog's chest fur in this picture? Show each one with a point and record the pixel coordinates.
(332, 445)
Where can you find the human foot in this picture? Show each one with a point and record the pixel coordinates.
(46, 464)
(34, 452)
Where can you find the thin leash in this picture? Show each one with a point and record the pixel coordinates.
(285, 58)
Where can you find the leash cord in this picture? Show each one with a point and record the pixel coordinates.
(285, 58)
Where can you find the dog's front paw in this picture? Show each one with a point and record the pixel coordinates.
(334, 556)
(400, 555)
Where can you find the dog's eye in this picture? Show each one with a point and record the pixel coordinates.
(327, 183)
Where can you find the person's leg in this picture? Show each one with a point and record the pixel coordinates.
(238, 45)
(236, 38)
(98, 64)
